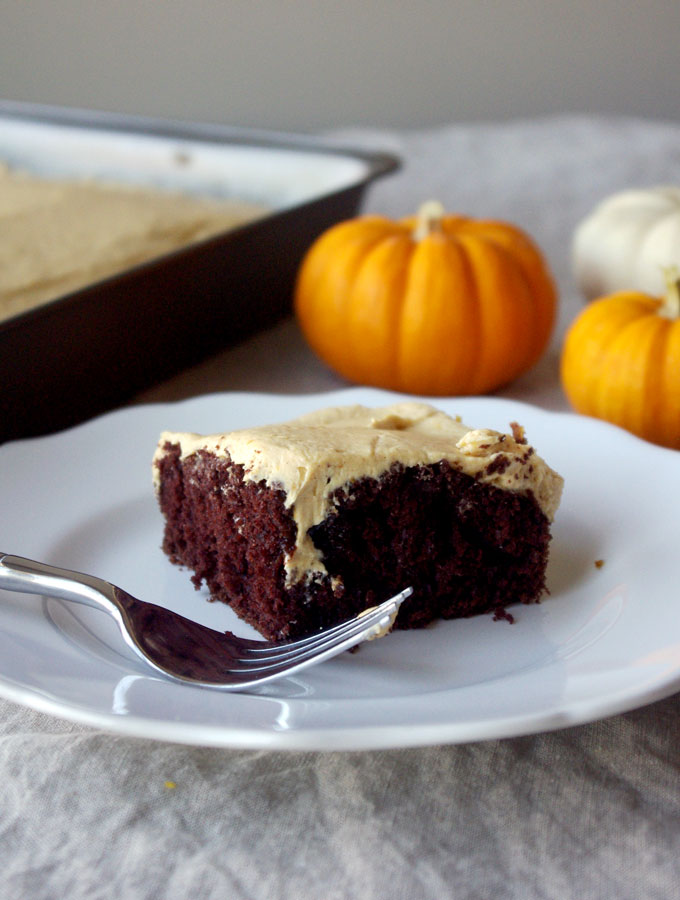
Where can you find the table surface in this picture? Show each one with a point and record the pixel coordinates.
(590, 811)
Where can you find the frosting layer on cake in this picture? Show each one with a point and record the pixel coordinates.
(311, 457)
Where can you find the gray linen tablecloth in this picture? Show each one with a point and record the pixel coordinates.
(587, 812)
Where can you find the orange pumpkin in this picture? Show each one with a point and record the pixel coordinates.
(621, 363)
(434, 304)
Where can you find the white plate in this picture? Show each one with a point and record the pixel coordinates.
(605, 641)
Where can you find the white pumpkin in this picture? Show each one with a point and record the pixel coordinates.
(627, 242)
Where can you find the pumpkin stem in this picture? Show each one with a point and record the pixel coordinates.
(671, 305)
(429, 219)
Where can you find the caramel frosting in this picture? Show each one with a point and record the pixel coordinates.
(312, 456)
(61, 235)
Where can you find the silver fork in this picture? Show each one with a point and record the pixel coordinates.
(186, 651)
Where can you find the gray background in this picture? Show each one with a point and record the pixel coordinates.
(314, 64)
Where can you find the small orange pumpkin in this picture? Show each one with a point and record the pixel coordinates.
(435, 304)
(621, 363)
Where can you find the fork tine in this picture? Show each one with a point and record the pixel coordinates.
(326, 644)
(252, 676)
(363, 621)
(261, 650)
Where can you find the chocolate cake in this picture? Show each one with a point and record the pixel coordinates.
(300, 525)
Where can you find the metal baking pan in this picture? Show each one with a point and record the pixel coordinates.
(93, 349)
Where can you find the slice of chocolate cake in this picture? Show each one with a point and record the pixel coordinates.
(300, 525)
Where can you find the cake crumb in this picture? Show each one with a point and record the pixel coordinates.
(518, 433)
(500, 613)
(599, 563)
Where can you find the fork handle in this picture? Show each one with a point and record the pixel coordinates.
(26, 576)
